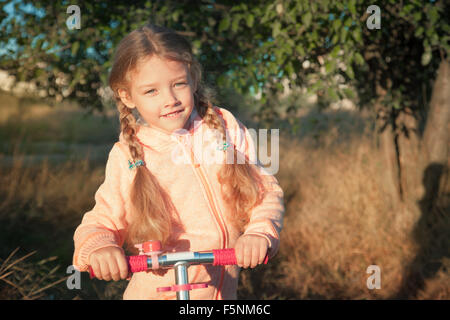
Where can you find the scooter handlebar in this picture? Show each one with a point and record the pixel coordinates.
(219, 257)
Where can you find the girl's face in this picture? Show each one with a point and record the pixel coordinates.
(159, 87)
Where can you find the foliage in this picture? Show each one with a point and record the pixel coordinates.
(248, 45)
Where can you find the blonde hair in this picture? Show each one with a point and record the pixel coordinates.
(151, 215)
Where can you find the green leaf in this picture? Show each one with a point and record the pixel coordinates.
(396, 104)
(329, 66)
(348, 22)
(290, 69)
(335, 51)
(357, 35)
(315, 87)
(196, 44)
(419, 32)
(273, 68)
(279, 53)
(417, 16)
(337, 23)
(343, 34)
(21, 76)
(335, 39)
(332, 94)
(292, 15)
(351, 7)
(104, 78)
(75, 48)
(175, 16)
(235, 23)
(349, 93)
(349, 72)
(221, 81)
(306, 19)
(358, 58)
(224, 24)
(407, 8)
(433, 15)
(301, 51)
(269, 14)
(250, 20)
(263, 99)
(426, 57)
(276, 29)
(279, 87)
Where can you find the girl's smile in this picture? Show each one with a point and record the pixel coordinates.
(173, 114)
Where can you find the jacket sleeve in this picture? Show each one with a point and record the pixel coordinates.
(105, 224)
(266, 219)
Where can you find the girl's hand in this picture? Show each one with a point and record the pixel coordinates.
(250, 250)
(109, 263)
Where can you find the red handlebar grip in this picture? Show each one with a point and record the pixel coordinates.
(135, 264)
(223, 257)
(91, 273)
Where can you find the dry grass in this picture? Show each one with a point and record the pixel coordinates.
(27, 122)
(338, 222)
(40, 208)
(27, 281)
(342, 226)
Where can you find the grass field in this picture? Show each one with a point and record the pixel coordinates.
(338, 220)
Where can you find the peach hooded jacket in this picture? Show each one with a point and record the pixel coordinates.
(194, 190)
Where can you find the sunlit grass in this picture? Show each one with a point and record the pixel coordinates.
(338, 220)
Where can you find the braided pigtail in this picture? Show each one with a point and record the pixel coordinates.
(151, 208)
(241, 186)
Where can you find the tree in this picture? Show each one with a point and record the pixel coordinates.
(395, 69)
(74, 63)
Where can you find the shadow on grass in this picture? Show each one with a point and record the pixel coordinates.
(431, 233)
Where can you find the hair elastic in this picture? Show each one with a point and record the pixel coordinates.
(225, 146)
(138, 163)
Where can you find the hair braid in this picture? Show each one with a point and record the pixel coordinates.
(153, 213)
(128, 127)
(239, 195)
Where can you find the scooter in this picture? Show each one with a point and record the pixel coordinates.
(151, 257)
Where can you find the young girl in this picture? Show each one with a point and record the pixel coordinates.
(187, 205)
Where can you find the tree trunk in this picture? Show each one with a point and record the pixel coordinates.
(435, 141)
(430, 230)
(436, 133)
(406, 157)
(423, 162)
(387, 147)
(410, 171)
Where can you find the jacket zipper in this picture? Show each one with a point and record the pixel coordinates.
(217, 216)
